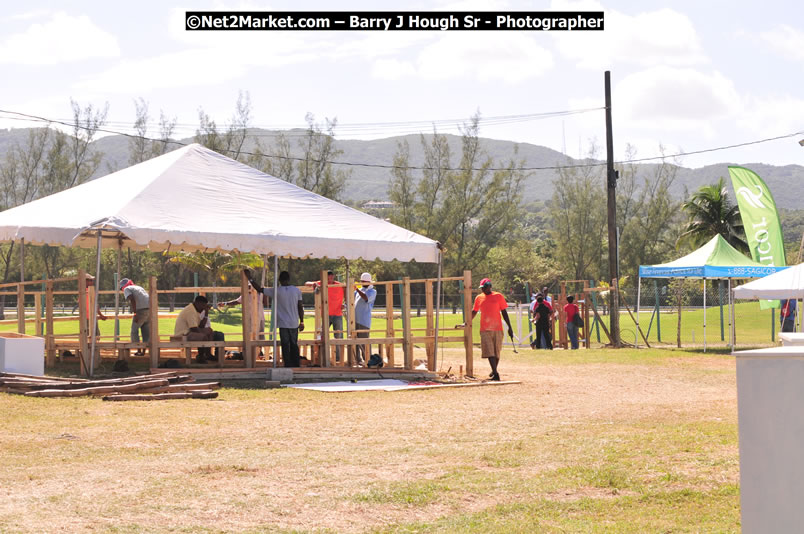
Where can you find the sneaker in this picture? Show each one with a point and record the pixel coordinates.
(496, 377)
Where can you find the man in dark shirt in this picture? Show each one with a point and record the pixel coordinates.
(542, 316)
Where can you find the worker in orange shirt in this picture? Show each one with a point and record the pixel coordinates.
(491, 306)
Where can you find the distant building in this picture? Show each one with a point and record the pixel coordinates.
(377, 205)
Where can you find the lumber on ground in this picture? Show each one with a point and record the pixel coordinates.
(32, 385)
(173, 388)
(100, 390)
(204, 394)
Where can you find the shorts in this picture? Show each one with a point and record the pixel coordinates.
(491, 342)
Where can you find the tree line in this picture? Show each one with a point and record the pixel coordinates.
(469, 202)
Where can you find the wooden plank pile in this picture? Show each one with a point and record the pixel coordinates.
(156, 386)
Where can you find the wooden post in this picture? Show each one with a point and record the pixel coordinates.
(255, 324)
(350, 319)
(326, 358)
(153, 295)
(317, 329)
(21, 291)
(467, 330)
(38, 314)
(20, 308)
(389, 322)
(407, 344)
(587, 326)
(49, 340)
(82, 321)
(430, 346)
(248, 332)
(562, 317)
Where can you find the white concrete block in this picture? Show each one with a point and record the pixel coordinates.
(280, 374)
(22, 354)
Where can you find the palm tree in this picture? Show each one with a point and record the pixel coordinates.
(217, 264)
(710, 212)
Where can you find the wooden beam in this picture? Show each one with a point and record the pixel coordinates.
(326, 358)
(389, 322)
(467, 330)
(350, 319)
(153, 295)
(50, 349)
(430, 346)
(407, 344)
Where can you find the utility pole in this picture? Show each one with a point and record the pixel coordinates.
(611, 189)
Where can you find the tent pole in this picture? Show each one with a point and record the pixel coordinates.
(273, 305)
(731, 317)
(95, 308)
(704, 310)
(348, 326)
(117, 293)
(437, 311)
(639, 291)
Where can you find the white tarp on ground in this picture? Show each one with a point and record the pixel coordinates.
(196, 199)
(787, 284)
(386, 384)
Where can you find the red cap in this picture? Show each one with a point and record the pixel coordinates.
(484, 282)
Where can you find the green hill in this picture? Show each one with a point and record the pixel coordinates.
(366, 183)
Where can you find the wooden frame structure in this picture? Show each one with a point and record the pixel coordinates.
(320, 346)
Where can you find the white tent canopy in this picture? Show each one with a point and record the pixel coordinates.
(787, 284)
(196, 199)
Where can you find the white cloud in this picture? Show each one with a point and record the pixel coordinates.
(62, 38)
(786, 40)
(189, 68)
(675, 99)
(657, 37)
(35, 14)
(771, 116)
(510, 58)
(392, 69)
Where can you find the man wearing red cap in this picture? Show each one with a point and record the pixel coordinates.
(491, 305)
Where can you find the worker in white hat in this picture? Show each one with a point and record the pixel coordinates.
(365, 295)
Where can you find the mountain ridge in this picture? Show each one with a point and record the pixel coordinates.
(367, 181)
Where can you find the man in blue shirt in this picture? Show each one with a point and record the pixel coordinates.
(364, 303)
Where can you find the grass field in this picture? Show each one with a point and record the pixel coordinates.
(591, 441)
(753, 326)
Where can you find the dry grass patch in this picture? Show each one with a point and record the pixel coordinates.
(647, 439)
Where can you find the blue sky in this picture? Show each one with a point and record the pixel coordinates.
(686, 75)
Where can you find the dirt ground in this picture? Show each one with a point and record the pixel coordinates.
(275, 460)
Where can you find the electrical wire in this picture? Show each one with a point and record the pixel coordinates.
(35, 118)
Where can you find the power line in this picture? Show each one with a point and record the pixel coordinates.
(35, 118)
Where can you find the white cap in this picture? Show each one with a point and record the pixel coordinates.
(365, 277)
